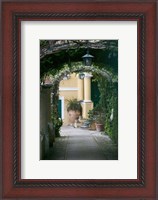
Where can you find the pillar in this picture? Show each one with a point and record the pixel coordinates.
(80, 89)
(87, 87)
(87, 103)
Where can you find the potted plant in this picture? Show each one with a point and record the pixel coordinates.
(74, 110)
(91, 119)
(100, 120)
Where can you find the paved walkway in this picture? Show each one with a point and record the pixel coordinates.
(82, 144)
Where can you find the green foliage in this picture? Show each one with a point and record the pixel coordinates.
(57, 123)
(105, 72)
(97, 114)
(111, 122)
(55, 62)
(91, 116)
(108, 101)
(44, 43)
(73, 104)
(100, 118)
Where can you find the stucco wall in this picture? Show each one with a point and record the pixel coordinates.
(67, 95)
(68, 89)
(72, 82)
(79, 89)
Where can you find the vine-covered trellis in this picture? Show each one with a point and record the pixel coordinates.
(59, 58)
(105, 83)
(48, 47)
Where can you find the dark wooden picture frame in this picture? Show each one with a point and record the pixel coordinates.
(144, 187)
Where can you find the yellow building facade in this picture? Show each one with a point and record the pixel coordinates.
(75, 88)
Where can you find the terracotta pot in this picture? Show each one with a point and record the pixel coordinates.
(99, 127)
(92, 126)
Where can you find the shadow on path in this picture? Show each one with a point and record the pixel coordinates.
(82, 144)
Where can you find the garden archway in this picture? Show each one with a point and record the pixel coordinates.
(65, 71)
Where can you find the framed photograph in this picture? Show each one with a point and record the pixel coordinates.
(79, 100)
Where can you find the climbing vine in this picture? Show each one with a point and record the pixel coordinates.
(56, 121)
(57, 76)
(108, 104)
(111, 120)
(107, 85)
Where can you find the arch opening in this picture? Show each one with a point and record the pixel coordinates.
(77, 80)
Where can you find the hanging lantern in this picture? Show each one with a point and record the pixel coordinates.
(87, 59)
(66, 76)
(81, 75)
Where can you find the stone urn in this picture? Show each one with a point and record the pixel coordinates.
(74, 110)
(73, 116)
